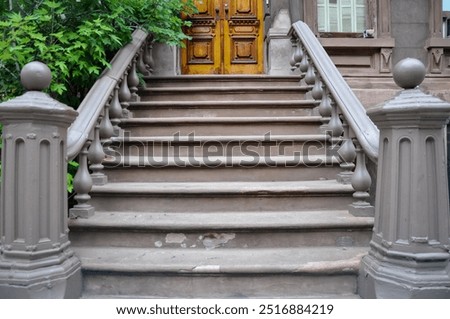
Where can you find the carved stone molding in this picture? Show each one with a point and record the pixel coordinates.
(436, 60)
(385, 60)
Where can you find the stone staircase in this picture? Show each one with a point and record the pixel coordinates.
(221, 186)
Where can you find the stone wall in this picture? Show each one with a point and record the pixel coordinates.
(410, 28)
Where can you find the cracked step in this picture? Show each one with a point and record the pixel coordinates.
(181, 273)
(224, 230)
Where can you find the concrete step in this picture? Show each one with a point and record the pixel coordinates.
(221, 168)
(224, 230)
(228, 93)
(214, 126)
(223, 108)
(220, 273)
(221, 196)
(214, 146)
(221, 80)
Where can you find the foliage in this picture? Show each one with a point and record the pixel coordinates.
(162, 18)
(71, 171)
(77, 38)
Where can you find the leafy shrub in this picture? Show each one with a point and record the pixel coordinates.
(77, 38)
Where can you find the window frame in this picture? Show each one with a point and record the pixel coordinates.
(338, 24)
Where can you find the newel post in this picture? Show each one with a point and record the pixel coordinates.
(36, 260)
(409, 254)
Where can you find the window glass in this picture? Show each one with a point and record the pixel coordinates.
(341, 15)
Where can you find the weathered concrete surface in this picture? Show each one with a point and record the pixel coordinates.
(232, 273)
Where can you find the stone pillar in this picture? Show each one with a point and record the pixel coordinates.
(35, 256)
(409, 252)
(279, 45)
(166, 60)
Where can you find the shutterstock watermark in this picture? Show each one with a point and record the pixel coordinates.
(216, 151)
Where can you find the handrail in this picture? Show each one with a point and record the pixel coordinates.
(362, 126)
(93, 104)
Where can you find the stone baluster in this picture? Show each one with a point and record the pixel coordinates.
(36, 260)
(125, 96)
(292, 60)
(141, 67)
(96, 156)
(297, 54)
(347, 154)
(133, 81)
(335, 129)
(115, 111)
(409, 253)
(310, 77)
(317, 91)
(325, 109)
(361, 182)
(309, 80)
(82, 185)
(304, 63)
(148, 55)
(106, 129)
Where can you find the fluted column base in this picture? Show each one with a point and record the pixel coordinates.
(385, 280)
(53, 282)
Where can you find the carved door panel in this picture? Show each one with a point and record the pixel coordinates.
(226, 38)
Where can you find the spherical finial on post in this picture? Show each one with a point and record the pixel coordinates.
(409, 73)
(35, 76)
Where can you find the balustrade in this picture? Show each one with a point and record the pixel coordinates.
(361, 182)
(96, 156)
(347, 154)
(106, 129)
(133, 81)
(341, 113)
(409, 252)
(82, 185)
(109, 98)
(125, 95)
(115, 111)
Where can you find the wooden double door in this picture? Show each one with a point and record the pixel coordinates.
(226, 38)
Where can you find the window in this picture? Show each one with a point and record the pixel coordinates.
(341, 15)
(446, 18)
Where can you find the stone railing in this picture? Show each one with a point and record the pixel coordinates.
(409, 253)
(100, 113)
(353, 134)
(36, 260)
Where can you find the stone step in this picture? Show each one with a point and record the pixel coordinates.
(260, 214)
(219, 169)
(224, 230)
(220, 108)
(214, 126)
(222, 81)
(221, 196)
(213, 146)
(228, 93)
(220, 273)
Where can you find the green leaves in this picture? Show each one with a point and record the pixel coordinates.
(77, 39)
(74, 39)
(72, 167)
